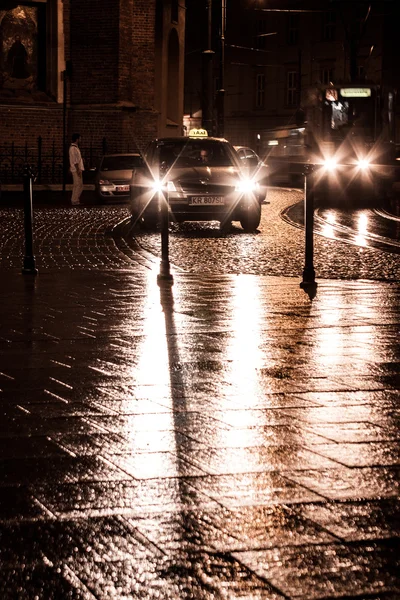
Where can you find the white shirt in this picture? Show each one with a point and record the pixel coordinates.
(75, 158)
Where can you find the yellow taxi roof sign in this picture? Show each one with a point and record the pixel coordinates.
(198, 133)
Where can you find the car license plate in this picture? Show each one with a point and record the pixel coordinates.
(122, 188)
(206, 200)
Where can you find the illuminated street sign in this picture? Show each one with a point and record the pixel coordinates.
(355, 92)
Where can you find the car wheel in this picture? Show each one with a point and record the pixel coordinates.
(225, 226)
(149, 221)
(251, 217)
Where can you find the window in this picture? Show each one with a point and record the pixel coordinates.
(360, 72)
(260, 90)
(261, 30)
(23, 48)
(31, 54)
(293, 29)
(329, 26)
(291, 88)
(327, 75)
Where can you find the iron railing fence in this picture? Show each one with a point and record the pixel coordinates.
(46, 160)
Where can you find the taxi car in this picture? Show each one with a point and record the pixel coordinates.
(202, 179)
(113, 177)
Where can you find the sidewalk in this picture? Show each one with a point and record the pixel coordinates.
(224, 437)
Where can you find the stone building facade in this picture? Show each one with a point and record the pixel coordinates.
(275, 51)
(110, 69)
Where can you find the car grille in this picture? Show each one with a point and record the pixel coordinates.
(196, 188)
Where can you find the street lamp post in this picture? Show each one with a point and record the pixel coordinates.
(221, 91)
(66, 74)
(208, 55)
(64, 171)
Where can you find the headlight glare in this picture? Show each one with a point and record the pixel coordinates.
(246, 186)
(330, 164)
(171, 186)
(363, 164)
(163, 186)
(157, 185)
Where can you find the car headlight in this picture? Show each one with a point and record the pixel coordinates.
(247, 186)
(162, 186)
(329, 164)
(363, 164)
(171, 186)
(157, 185)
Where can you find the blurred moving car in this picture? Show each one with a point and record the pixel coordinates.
(256, 168)
(115, 174)
(203, 180)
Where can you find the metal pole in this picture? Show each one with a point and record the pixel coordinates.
(29, 259)
(64, 173)
(221, 91)
(309, 272)
(208, 55)
(164, 274)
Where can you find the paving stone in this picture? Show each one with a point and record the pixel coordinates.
(376, 519)
(252, 489)
(350, 483)
(332, 570)
(371, 454)
(41, 581)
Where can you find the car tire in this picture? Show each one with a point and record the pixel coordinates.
(251, 218)
(149, 221)
(135, 219)
(225, 226)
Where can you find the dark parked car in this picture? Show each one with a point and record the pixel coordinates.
(114, 175)
(203, 180)
(256, 168)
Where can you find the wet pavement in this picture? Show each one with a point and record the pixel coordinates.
(278, 248)
(225, 437)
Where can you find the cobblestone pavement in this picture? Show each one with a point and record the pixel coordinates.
(76, 238)
(67, 238)
(223, 438)
(278, 250)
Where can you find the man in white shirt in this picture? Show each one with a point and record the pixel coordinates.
(76, 166)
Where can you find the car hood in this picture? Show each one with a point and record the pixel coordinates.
(119, 175)
(217, 175)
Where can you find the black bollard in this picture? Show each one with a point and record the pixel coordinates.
(309, 272)
(165, 274)
(29, 259)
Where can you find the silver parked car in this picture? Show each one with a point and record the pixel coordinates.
(114, 175)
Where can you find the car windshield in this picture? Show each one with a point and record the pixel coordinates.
(121, 163)
(192, 153)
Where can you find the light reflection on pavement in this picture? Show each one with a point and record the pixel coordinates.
(225, 437)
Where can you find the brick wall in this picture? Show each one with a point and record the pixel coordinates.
(94, 26)
(24, 124)
(111, 94)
